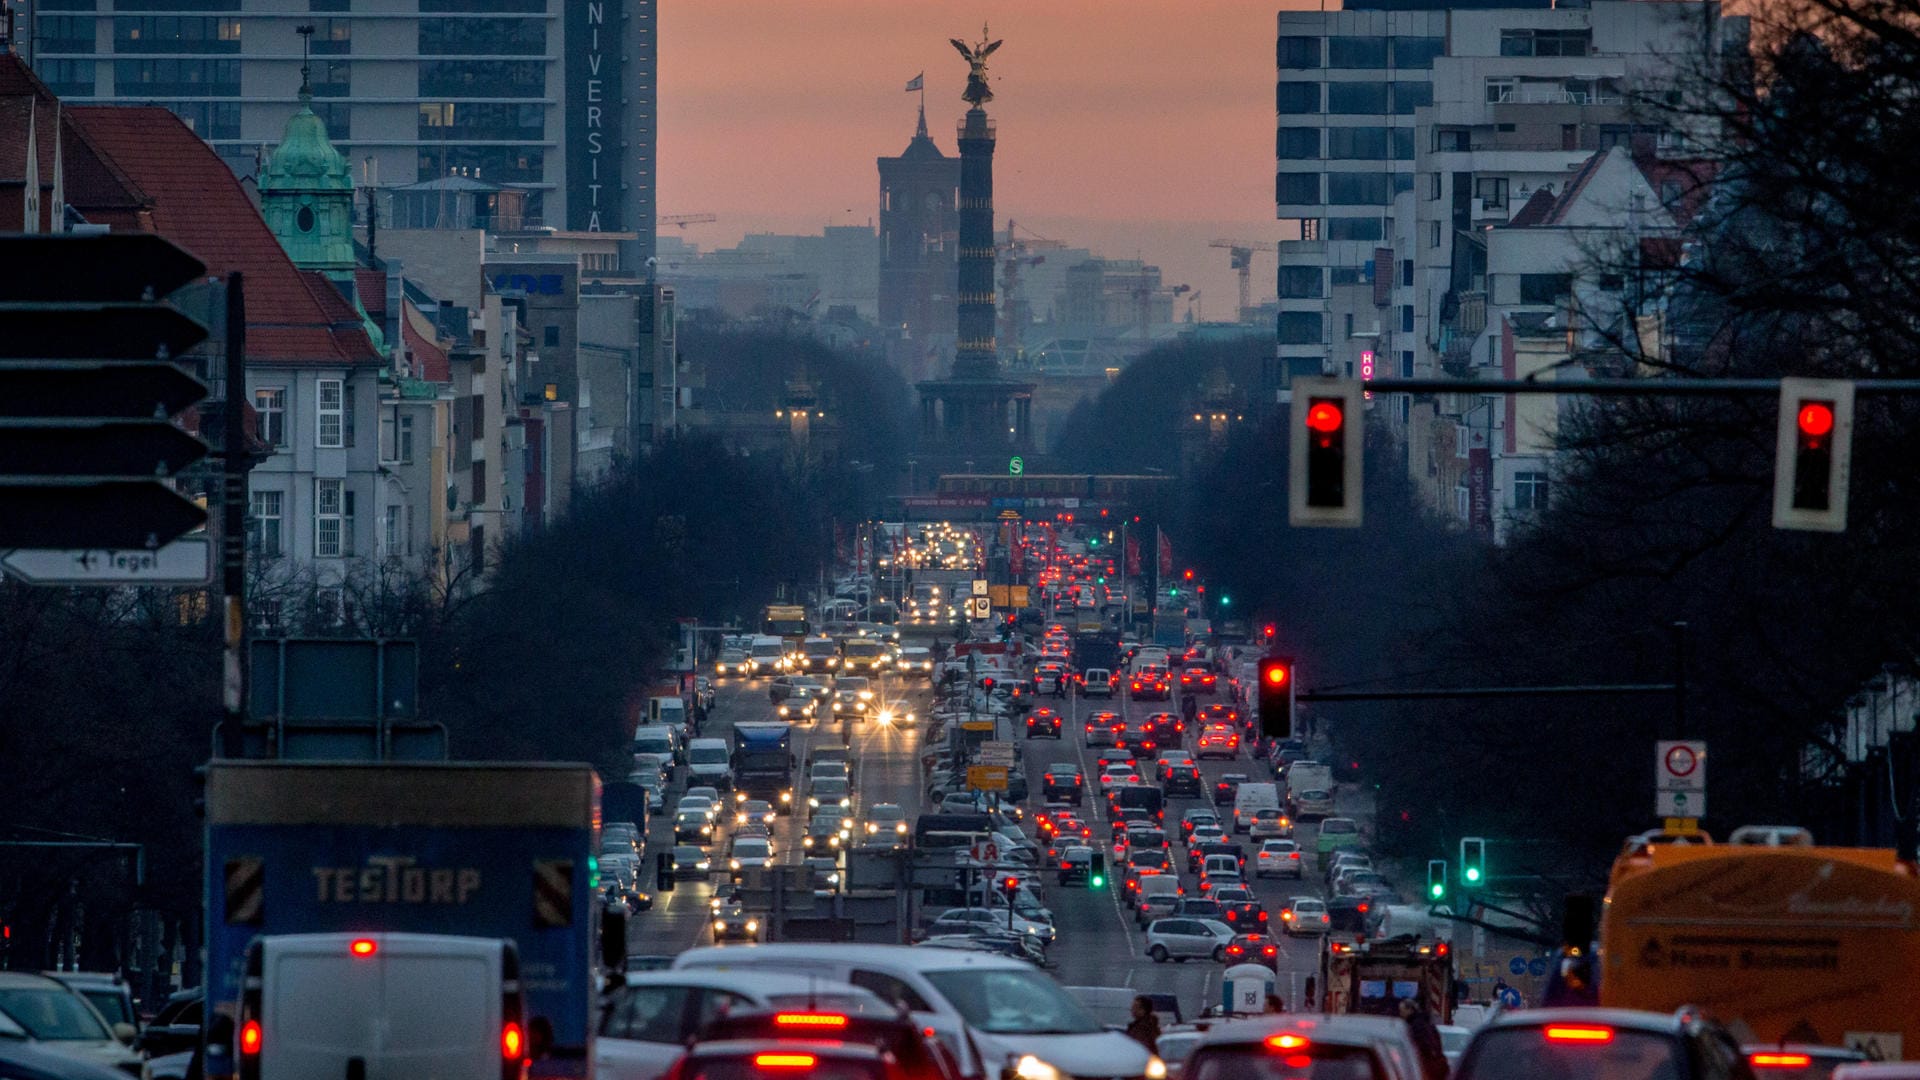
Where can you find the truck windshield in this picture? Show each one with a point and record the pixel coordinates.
(863, 649)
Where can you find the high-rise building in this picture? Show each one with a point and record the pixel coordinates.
(919, 233)
(553, 97)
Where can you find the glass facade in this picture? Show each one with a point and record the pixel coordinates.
(67, 78)
(209, 119)
(483, 78)
(1296, 97)
(1299, 327)
(1417, 52)
(1408, 96)
(1356, 52)
(1357, 97)
(1297, 52)
(484, 122)
(1359, 189)
(1301, 283)
(484, 7)
(483, 37)
(176, 34)
(1354, 228)
(66, 34)
(1295, 143)
(1297, 189)
(1357, 144)
(497, 164)
(184, 78)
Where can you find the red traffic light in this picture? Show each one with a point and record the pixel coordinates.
(1270, 630)
(1816, 419)
(1011, 884)
(1325, 416)
(1188, 574)
(1277, 675)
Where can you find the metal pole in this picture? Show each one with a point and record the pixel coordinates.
(1483, 692)
(1679, 680)
(233, 533)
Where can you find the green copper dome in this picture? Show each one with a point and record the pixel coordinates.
(306, 194)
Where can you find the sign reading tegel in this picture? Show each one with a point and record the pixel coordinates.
(187, 561)
(996, 753)
(1680, 766)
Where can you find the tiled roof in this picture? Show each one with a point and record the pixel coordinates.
(371, 287)
(1571, 192)
(429, 359)
(14, 113)
(1536, 208)
(19, 82)
(195, 201)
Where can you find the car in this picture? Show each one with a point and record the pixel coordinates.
(650, 1017)
(50, 1016)
(915, 660)
(1278, 858)
(1197, 854)
(690, 860)
(1305, 915)
(692, 826)
(108, 993)
(1337, 833)
(705, 800)
(798, 709)
(1797, 1061)
(958, 920)
(1597, 1043)
(1207, 834)
(1050, 677)
(910, 1053)
(1322, 1047)
(1076, 865)
(886, 826)
(1252, 949)
(733, 923)
(751, 810)
(1144, 863)
(749, 853)
(1118, 774)
(1097, 682)
(1104, 729)
(1218, 713)
(1227, 787)
(1270, 823)
(1182, 781)
(1198, 680)
(852, 697)
(1313, 805)
(830, 791)
(1150, 684)
(1199, 907)
(1155, 898)
(1044, 723)
(1218, 740)
(1218, 878)
(21, 1059)
(1167, 731)
(1063, 780)
(1243, 909)
(1179, 938)
(1195, 818)
(1340, 860)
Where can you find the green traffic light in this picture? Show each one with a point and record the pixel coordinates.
(1473, 873)
(1226, 600)
(1437, 890)
(1099, 882)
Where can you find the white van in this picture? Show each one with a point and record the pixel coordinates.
(709, 762)
(1251, 797)
(649, 1020)
(398, 1004)
(989, 1010)
(657, 739)
(1097, 682)
(766, 655)
(671, 711)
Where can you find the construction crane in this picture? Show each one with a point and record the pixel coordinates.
(684, 220)
(1241, 254)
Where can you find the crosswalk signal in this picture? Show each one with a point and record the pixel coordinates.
(1324, 470)
(1473, 861)
(1097, 870)
(1436, 880)
(1813, 455)
(1276, 697)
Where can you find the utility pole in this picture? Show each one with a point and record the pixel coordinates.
(233, 530)
(1679, 680)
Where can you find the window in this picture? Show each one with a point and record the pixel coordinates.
(1296, 189)
(1408, 96)
(346, 413)
(263, 524)
(1503, 88)
(332, 37)
(270, 405)
(332, 78)
(336, 116)
(1530, 491)
(1296, 97)
(1349, 324)
(1300, 282)
(1348, 275)
(177, 77)
(491, 121)
(1403, 145)
(505, 164)
(347, 529)
(390, 534)
(1433, 185)
(1356, 52)
(479, 483)
(551, 338)
(1406, 318)
(1546, 42)
(1446, 140)
(208, 119)
(328, 510)
(1357, 144)
(1406, 272)
(406, 440)
(1299, 328)
(1544, 288)
(389, 433)
(1406, 365)
(655, 1014)
(1357, 97)
(889, 989)
(1417, 52)
(483, 37)
(1295, 53)
(1359, 189)
(713, 1004)
(1433, 234)
(477, 411)
(1491, 191)
(66, 34)
(1292, 143)
(67, 78)
(483, 78)
(1354, 228)
(175, 34)
(330, 413)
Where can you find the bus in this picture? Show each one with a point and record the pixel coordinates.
(787, 622)
(1777, 938)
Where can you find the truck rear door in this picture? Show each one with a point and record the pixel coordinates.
(440, 1008)
(321, 1008)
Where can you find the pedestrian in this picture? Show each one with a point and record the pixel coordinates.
(1312, 1003)
(1426, 1039)
(1274, 1004)
(1144, 1028)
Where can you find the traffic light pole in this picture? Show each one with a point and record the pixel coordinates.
(1622, 387)
(1485, 692)
(233, 530)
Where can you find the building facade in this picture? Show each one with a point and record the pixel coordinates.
(555, 98)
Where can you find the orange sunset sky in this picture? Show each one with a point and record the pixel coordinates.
(1139, 128)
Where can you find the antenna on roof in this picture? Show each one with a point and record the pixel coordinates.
(306, 57)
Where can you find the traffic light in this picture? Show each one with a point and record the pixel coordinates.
(1276, 697)
(1097, 870)
(1269, 631)
(1188, 574)
(1473, 861)
(1009, 886)
(1323, 473)
(1813, 455)
(91, 369)
(1436, 880)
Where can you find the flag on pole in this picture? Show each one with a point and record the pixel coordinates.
(918, 82)
(1166, 553)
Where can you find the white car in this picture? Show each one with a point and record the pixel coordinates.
(1305, 915)
(886, 825)
(706, 804)
(1269, 824)
(1278, 858)
(1187, 939)
(750, 852)
(965, 920)
(1118, 774)
(1206, 834)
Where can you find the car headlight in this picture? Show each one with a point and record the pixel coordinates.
(846, 804)
(806, 841)
(1032, 1068)
(704, 864)
(834, 840)
(733, 864)
(866, 695)
(753, 927)
(901, 828)
(813, 802)
(708, 829)
(786, 796)
(1156, 1069)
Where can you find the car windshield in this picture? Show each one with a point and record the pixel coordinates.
(1253, 1061)
(1338, 825)
(708, 755)
(1013, 1001)
(829, 786)
(1531, 1052)
(52, 1014)
(111, 1004)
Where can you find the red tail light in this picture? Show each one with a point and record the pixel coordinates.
(785, 1061)
(811, 1020)
(1287, 1042)
(1780, 1061)
(363, 947)
(1579, 1033)
(250, 1038)
(513, 1043)
(1263, 916)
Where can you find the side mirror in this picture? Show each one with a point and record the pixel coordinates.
(125, 1032)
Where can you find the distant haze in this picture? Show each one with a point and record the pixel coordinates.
(1137, 128)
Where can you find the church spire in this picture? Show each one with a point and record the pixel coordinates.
(920, 130)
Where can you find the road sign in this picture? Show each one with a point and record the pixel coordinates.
(1517, 965)
(1679, 804)
(1680, 778)
(979, 607)
(89, 375)
(1016, 466)
(987, 777)
(1537, 967)
(996, 753)
(187, 561)
(980, 587)
(976, 725)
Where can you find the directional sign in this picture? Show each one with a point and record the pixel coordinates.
(987, 777)
(996, 753)
(1517, 965)
(89, 374)
(187, 561)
